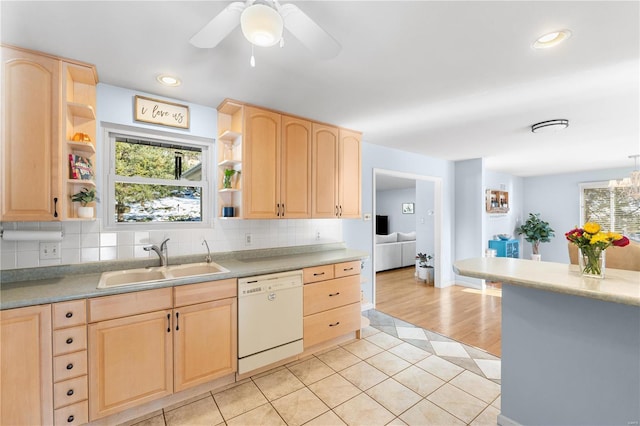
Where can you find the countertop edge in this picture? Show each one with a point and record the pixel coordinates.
(561, 278)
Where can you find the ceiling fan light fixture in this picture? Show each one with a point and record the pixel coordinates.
(551, 39)
(261, 25)
(550, 126)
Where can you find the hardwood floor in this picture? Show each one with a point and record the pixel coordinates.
(466, 315)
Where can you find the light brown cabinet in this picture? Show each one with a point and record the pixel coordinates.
(331, 302)
(337, 172)
(26, 386)
(140, 349)
(31, 189)
(45, 102)
(291, 167)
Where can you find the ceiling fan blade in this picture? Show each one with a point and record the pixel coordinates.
(219, 27)
(317, 40)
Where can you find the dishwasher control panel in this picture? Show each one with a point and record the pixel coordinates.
(269, 283)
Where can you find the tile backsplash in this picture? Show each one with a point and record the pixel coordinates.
(87, 242)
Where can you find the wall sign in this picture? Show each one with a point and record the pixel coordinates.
(161, 112)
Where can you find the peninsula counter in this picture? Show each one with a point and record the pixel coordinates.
(570, 345)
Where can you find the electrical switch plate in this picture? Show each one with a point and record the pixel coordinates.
(49, 251)
(247, 239)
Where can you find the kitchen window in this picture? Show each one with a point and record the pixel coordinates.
(156, 179)
(610, 207)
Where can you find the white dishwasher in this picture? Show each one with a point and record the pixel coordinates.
(269, 319)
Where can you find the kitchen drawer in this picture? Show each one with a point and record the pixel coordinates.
(331, 294)
(70, 391)
(204, 292)
(347, 268)
(317, 273)
(69, 340)
(329, 324)
(76, 414)
(124, 305)
(69, 366)
(69, 314)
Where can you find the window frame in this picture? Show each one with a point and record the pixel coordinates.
(596, 185)
(112, 131)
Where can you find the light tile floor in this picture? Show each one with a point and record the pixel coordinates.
(397, 374)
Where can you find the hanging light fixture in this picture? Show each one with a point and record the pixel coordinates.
(629, 185)
(262, 25)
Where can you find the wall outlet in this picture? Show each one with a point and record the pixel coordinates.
(49, 251)
(318, 235)
(367, 216)
(247, 239)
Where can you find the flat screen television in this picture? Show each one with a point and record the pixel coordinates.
(382, 225)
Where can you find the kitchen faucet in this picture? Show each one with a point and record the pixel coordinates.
(161, 251)
(208, 258)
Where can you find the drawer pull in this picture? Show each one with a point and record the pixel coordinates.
(69, 341)
(70, 392)
(317, 274)
(334, 294)
(69, 366)
(348, 269)
(69, 314)
(334, 324)
(70, 419)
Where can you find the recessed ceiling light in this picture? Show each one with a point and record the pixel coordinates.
(550, 126)
(168, 80)
(551, 39)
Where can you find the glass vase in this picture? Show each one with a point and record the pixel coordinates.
(591, 261)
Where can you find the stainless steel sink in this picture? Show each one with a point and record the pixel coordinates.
(152, 275)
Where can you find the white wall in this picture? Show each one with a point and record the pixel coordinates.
(390, 203)
(88, 242)
(425, 217)
(557, 199)
(358, 234)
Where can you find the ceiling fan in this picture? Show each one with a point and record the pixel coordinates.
(262, 22)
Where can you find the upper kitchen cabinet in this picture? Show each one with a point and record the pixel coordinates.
(48, 136)
(336, 172)
(31, 189)
(273, 153)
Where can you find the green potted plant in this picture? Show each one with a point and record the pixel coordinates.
(425, 270)
(84, 197)
(536, 231)
(228, 174)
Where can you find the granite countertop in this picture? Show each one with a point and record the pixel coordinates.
(618, 286)
(81, 281)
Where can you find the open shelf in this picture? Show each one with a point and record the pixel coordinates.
(81, 110)
(82, 146)
(229, 163)
(229, 136)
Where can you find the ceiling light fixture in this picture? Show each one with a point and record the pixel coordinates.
(551, 39)
(168, 80)
(630, 185)
(262, 25)
(550, 126)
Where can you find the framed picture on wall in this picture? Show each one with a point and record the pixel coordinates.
(407, 208)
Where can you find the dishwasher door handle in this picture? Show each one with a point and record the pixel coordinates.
(271, 297)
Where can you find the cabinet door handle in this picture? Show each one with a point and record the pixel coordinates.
(69, 366)
(177, 321)
(69, 341)
(334, 294)
(70, 392)
(336, 210)
(282, 209)
(55, 207)
(334, 324)
(168, 323)
(278, 209)
(70, 419)
(69, 314)
(340, 211)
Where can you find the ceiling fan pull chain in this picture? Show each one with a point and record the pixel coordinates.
(252, 61)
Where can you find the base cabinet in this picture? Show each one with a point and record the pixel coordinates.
(26, 385)
(331, 302)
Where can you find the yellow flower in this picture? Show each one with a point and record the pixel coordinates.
(614, 236)
(591, 228)
(600, 237)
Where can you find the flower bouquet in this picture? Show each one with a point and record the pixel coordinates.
(592, 242)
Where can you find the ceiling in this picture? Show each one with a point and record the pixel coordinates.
(448, 79)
